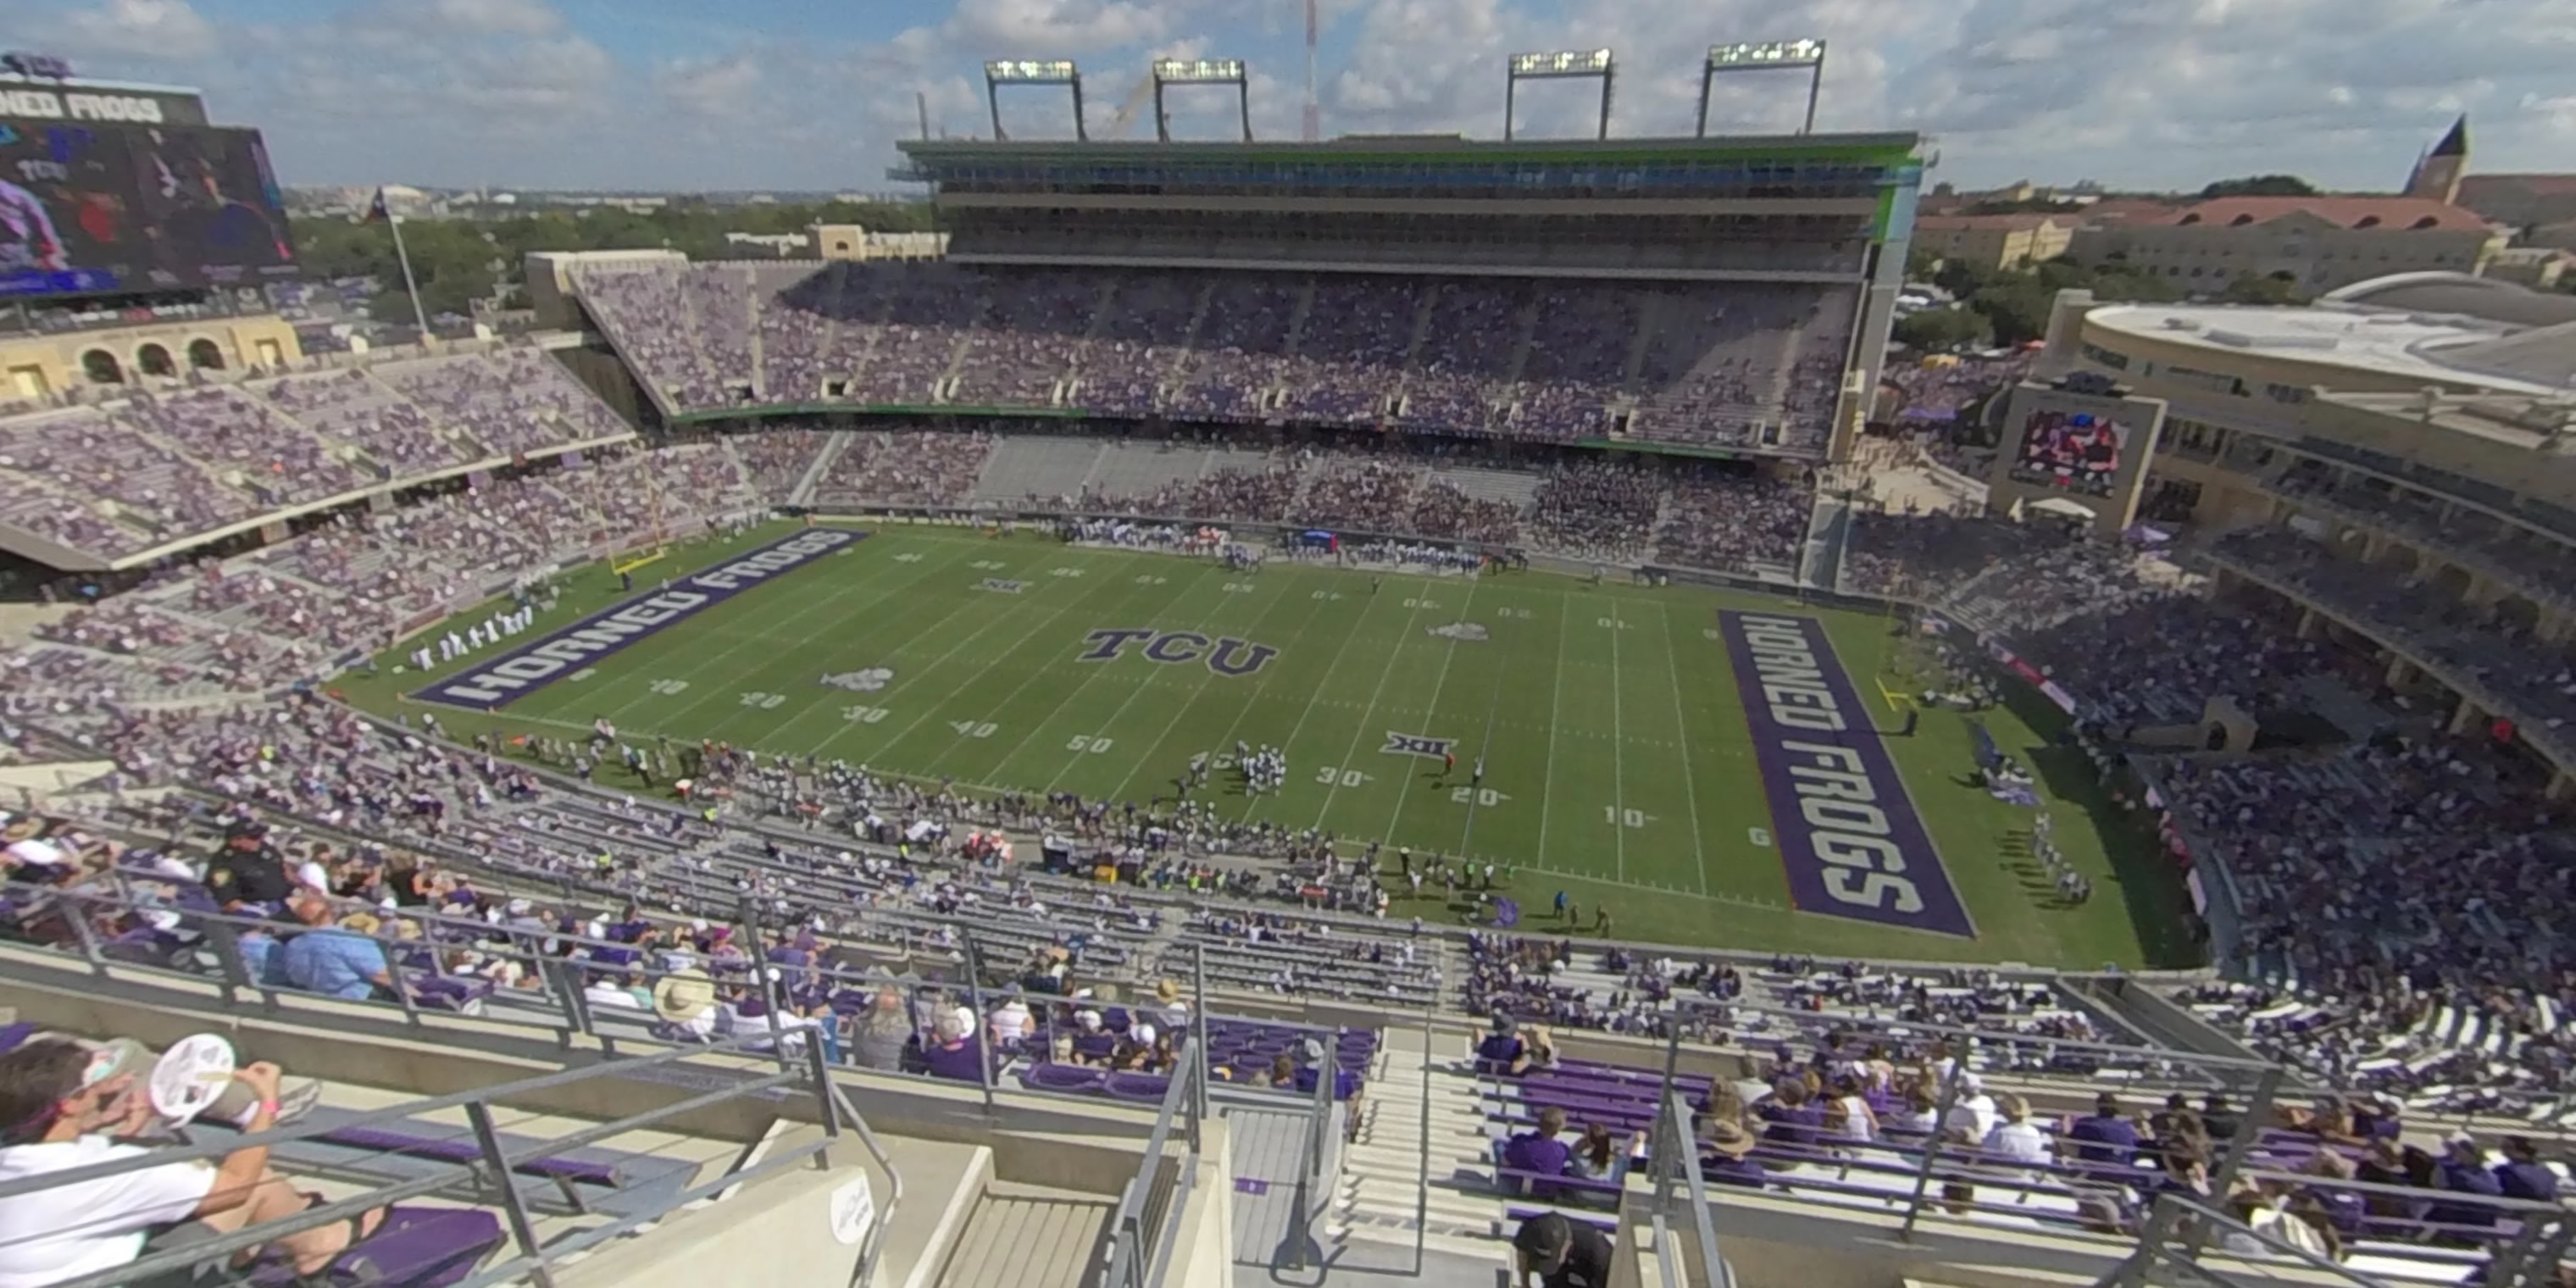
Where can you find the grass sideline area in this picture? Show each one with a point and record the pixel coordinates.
(1619, 766)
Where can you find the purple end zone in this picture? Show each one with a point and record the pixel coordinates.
(495, 683)
(1847, 832)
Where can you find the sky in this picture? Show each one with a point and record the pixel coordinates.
(812, 94)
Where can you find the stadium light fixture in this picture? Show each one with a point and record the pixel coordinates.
(1765, 56)
(1202, 71)
(1032, 71)
(1557, 65)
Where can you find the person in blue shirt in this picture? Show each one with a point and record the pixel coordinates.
(2104, 1138)
(337, 959)
(1501, 1050)
(2463, 1171)
(1540, 1151)
(2522, 1175)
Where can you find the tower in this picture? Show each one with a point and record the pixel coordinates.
(2437, 173)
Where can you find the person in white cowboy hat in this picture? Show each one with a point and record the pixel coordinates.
(685, 1002)
(1171, 1011)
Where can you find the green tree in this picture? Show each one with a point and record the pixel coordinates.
(2017, 307)
(2274, 288)
(2261, 185)
(1945, 329)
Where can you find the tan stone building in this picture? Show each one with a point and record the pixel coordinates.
(1995, 241)
(2320, 243)
(2423, 425)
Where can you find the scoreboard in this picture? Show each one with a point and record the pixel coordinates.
(91, 204)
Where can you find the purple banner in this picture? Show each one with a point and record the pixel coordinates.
(1848, 834)
(491, 685)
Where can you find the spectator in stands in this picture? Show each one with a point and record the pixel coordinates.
(1848, 1115)
(955, 1054)
(61, 1109)
(247, 874)
(1172, 1013)
(1010, 1022)
(2216, 1118)
(2016, 1139)
(2463, 1170)
(1793, 1117)
(1562, 1253)
(1725, 1148)
(234, 1104)
(1539, 1151)
(1921, 1112)
(1972, 1114)
(2522, 1175)
(878, 1038)
(2104, 1138)
(1598, 1156)
(337, 956)
(1501, 1049)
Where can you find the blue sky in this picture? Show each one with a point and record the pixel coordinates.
(807, 94)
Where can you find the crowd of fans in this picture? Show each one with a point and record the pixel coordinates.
(1724, 364)
(164, 465)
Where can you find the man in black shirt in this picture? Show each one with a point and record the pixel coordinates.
(2220, 1119)
(1563, 1253)
(248, 871)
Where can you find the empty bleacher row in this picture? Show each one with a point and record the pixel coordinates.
(1755, 366)
(110, 476)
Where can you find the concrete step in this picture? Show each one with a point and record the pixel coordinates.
(1032, 1236)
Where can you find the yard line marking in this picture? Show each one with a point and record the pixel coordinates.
(1673, 668)
(1555, 690)
(1146, 681)
(963, 602)
(910, 638)
(1618, 774)
(1360, 734)
(1405, 788)
(932, 708)
(774, 633)
(1253, 799)
(1074, 690)
(1493, 707)
(1314, 610)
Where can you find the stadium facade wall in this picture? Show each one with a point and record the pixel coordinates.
(42, 366)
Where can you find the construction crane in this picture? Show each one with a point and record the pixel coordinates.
(1135, 103)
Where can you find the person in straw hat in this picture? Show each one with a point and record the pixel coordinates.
(685, 1002)
(1725, 1154)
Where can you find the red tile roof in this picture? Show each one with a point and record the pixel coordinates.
(2393, 213)
(2014, 222)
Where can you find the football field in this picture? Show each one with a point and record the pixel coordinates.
(1621, 762)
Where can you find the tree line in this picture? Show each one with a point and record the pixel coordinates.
(458, 260)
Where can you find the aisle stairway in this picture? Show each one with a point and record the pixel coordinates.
(1030, 1236)
(1385, 1169)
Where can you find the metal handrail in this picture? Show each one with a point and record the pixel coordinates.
(1131, 1260)
(534, 1260)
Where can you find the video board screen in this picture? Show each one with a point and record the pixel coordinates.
(91, 210)
(68, 222)
(2072, 451)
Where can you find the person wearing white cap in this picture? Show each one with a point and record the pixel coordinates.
(1973, 1115)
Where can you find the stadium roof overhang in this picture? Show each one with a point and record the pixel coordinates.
(1419, 149)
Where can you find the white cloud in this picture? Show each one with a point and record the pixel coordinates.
(2171, 95)
(161, 31)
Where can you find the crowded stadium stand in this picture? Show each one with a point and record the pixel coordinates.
(444, 1011)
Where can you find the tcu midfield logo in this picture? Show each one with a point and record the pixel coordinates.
(1224, 655)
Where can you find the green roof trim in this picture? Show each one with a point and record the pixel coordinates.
(870, 409)
(933, 153)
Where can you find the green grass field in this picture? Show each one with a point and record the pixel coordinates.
(1618, 764)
